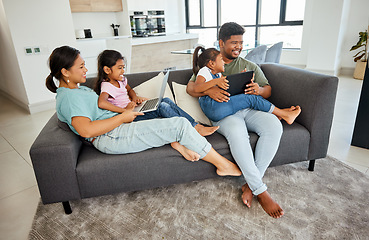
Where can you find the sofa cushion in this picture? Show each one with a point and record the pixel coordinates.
(151, 88)
(189, 104)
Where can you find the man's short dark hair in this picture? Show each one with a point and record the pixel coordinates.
(229, 29)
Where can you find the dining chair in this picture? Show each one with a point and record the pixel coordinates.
(257, 55)
(273, 54)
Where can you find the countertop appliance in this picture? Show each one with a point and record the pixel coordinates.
(146, 25)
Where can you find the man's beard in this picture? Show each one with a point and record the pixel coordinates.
(229, 56)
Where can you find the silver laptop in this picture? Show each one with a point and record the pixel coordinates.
(152, 104)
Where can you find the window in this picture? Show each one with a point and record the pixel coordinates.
(265, 21)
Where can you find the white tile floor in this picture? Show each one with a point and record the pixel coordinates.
(19, 194)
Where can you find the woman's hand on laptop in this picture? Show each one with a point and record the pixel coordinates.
(128, 115)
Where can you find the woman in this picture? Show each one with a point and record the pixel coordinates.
(115, 133)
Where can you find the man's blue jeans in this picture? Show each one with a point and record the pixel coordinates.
(235, 129)
(166, 109)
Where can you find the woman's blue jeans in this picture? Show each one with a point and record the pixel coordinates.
(216, 111)
(142, 135)
(166, 109)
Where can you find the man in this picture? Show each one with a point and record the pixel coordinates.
(235, 127)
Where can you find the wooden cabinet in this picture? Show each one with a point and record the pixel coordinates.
(96, 5)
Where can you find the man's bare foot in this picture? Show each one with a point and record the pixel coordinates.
(291, 114)
(229, 169)
(205, 131)
(185, 152)
(269, 205)
(247, 195)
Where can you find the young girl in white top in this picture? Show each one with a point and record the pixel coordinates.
(208, 67)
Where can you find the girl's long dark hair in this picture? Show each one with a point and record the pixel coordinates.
(200, 61)
(61, 57)
(107, 58)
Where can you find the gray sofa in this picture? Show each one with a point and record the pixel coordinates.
(68, 169)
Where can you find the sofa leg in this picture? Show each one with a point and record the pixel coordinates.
(67, 208)
(311, 165)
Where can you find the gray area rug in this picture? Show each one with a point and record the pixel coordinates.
(330, 203)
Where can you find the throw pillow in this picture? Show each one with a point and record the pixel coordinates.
(189, 104)
(151, 88)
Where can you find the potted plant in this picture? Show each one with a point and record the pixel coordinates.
(361, 57)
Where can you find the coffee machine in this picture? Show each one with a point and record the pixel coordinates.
(139, 25)
(156, 23)
(146, 25)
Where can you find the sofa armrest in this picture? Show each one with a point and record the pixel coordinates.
(54, 156)
(315, 93)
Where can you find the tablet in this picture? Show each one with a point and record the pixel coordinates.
(237, 82)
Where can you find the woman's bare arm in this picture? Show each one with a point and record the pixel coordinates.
(87, 128)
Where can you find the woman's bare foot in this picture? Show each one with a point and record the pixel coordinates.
(205, 131)
(185, 152)
(223, 165)
(228, 169)
(269, 205)
(288, 114)
(247, 195)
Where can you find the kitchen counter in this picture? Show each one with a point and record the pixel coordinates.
(167, 38)
(147, 40)
(101, 38)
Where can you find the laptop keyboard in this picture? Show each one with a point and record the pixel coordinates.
(150, 104)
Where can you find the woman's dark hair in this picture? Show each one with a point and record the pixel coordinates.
(61, 57)
(200, 61)
(107, 58)
(229, 29)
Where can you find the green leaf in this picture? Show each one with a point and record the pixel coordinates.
(359, 52)
(359, 57)
(356, 47)
(363, 38)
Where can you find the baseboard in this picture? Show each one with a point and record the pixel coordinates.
(348, 72)
(296, 65)
(30, 108)
(20, 104)
(41, 106)
(326, 72)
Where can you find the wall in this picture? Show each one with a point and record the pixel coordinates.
(358, 21)
(102, 28)
(43, 23)
(11, 80)
(329, 32)
(322, 51)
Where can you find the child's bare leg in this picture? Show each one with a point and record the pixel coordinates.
(205, 131)
(185, 152)
(247, 195)
(269, 205)
(287, 114)
(223, 165)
